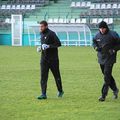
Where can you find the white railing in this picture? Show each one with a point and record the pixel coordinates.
(82, 31)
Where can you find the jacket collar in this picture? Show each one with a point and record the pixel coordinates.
(46, 31)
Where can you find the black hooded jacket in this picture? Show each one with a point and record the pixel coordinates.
(105, 42)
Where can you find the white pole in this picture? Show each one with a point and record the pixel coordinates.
(29, 35)
(67, 38)
(79, 37)
(85, 36)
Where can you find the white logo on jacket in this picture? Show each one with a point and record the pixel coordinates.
(98, 40)
(45, 38)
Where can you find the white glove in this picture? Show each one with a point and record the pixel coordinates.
(45, 46)
(39, 49)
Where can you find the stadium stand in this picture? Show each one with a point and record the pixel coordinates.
(74, 12)
(104, 1)
(89, 12)
(36, 2)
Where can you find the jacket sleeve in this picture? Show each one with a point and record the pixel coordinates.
(117, 41)
(94, 42)
(55, 41)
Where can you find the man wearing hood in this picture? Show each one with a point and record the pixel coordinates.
(107, 43)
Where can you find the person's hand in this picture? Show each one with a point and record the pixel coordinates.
(45, 46)
(111, 51)
(97, 49)
(39, 49)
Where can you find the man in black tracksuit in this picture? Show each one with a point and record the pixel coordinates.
(107, 43)
(49, 59)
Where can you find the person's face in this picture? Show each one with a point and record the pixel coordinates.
(43, 27)
(103, 30)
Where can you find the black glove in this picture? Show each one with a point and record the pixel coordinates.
(111, 51)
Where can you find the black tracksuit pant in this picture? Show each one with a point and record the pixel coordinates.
(108, 79)
(53, 65)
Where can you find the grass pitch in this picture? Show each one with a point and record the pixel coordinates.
(82, 82)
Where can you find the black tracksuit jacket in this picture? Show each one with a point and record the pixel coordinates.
(50, 38)
(105, 42)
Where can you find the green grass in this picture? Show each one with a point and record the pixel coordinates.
(82, 81)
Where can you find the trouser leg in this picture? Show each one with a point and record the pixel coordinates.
(44, 76)
(105, 87)
(54, 66)
(108, 78)
(113, 85)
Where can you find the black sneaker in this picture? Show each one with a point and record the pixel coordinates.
(60, 94)
(42, 97)
(102, 99)
(115, 93)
